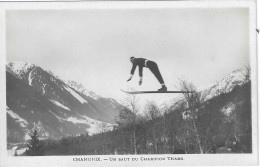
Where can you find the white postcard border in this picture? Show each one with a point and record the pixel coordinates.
(192, 160)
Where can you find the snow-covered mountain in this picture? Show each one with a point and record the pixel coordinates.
(36, 98)
(80, 88)
(227, 84)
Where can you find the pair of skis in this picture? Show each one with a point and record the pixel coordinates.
(144, 92)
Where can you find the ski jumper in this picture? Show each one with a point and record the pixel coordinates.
(141, 62)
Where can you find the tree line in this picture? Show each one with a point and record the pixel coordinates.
(186, 126)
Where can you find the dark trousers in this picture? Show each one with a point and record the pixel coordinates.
(155, 70)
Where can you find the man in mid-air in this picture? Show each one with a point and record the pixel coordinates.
(141, 62)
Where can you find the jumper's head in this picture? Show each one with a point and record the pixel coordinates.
(131, 59)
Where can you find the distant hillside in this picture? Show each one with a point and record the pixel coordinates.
(37, 99)
(227, 84)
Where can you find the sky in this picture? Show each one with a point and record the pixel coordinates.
(93, 46)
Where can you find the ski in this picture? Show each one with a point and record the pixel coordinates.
(144, 92)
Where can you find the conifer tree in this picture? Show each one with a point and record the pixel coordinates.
(34, 145)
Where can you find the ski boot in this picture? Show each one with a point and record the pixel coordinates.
(163, 89)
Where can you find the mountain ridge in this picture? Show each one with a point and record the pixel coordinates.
(38, 99)
(227, 84)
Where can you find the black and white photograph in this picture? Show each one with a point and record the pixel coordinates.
(129, 83)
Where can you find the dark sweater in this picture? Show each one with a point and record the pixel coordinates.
(140, 62)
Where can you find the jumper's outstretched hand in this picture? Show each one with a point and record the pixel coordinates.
(140, 82)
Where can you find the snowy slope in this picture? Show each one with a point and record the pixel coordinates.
(225, 85)
(37, 99)
(19, 69)
(80, 88)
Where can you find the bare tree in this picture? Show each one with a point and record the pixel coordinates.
(193, 101)
(128, 116)
(151, 113)
(151, 110)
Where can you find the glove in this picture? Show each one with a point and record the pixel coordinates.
(129, 79)
(140, 82)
